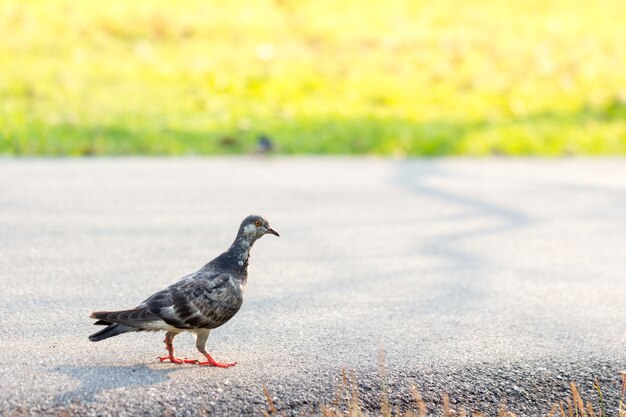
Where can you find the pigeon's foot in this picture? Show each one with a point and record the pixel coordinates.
(169, 345)
(212, 362)
(173, 359)
(217, 364)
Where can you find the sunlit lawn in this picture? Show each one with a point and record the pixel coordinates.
(82, 77)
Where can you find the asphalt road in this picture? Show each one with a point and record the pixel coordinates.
(487, 279)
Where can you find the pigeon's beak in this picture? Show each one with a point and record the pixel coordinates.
(272, 231)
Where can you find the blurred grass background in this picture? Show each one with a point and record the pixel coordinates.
(519, 77)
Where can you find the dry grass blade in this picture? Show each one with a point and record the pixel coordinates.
(421, 405)
(553, 410)
(502, 410)
(579, 405)
(590, 410)
(354, 409)
(570, 408)
(271, 407)
(339, 395)
(446, 406)
(385, 407)
(329, 412)
(622, 405)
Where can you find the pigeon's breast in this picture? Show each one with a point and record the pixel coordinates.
(225, 304)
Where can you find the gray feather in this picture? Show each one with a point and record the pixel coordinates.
(110, 331)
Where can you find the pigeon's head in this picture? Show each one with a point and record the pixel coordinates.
(253, 227)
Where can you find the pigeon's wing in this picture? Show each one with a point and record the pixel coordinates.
(201, 300)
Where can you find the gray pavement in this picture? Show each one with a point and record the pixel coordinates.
(487, 279)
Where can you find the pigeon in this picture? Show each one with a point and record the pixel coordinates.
(265, 145)
(197, 303)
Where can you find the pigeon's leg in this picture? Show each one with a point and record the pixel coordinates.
(169, 345)
(201, 338)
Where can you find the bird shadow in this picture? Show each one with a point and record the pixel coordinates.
(96, 379)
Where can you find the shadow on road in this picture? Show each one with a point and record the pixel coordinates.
(416, 178)
(96, 379)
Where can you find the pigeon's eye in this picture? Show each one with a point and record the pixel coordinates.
(257, 223)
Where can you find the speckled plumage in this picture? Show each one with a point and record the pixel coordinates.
(198, 302)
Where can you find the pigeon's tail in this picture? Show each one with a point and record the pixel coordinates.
(124, 321)
(110, 331)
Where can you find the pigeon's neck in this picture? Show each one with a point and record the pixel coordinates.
(239, 251)
(235, 259)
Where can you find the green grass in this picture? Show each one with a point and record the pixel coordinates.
(518, 77)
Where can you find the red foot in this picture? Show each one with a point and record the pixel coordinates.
(172, 359)
(217, 364)
(212, 362)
